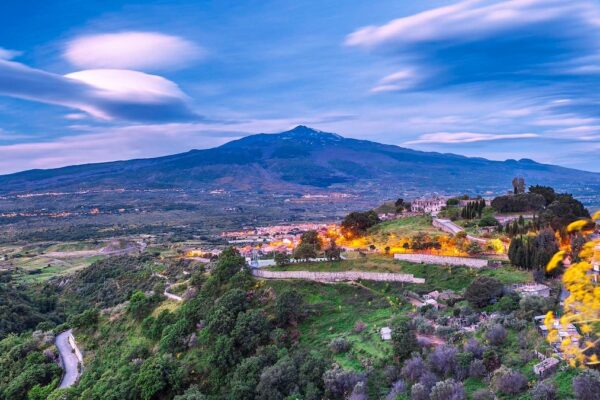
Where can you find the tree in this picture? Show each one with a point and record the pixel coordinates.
(496, 334)
(544, 391)
(288, 307)
(448, 390)
(404, 339)
(474, 248)
(399, 204)
(333, 252)
(546, 191)
(230, 262)
(508, 381)
(305, 251)
(357, 223)
(586, 385)
(281, 259)
(483, 291)
(311, 238)
(139, 305)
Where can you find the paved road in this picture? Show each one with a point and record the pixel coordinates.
(452, 228)
(68, 359)
(167, 286)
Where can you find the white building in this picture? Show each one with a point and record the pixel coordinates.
(430, 206)
(532, 289)
(386, 333)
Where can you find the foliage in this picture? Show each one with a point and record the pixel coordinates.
(543, 391)
(281, 259)
(404, 338)
(448, 390)
(484, 291)
(519, 202)
(356, 223)
(586, 385)
(288, 307)
(496, 334)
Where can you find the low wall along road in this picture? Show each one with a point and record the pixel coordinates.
(338, 276)
(442, 260)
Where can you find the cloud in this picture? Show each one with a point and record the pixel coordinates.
(467, 137)
(105, 94)
(516, 41)
(132, 50)
(6, 54)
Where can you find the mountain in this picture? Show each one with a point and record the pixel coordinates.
(300, 159)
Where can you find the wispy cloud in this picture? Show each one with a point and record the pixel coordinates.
(468, 137)
(528, 41)
(6, 54)
(132, 50)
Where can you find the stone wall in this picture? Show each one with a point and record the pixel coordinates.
(443, 260)
(76, 350)
(338, 276)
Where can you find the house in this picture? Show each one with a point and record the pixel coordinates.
(532, 289)
(546, 367)
(429, 205)
(386, 333)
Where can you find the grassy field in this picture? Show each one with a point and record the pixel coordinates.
(406, 227)
(436, 276)
(334, 311)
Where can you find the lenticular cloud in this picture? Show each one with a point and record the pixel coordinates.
(132, 50)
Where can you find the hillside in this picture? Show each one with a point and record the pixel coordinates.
(299, 159)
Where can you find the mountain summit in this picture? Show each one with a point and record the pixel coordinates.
(300, 159)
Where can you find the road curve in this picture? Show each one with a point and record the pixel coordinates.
(68, 359)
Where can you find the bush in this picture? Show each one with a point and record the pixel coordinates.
(509, 382)
(484, 291)
(475, 348)
(397, 389)
(340, 383)
(413, 369)
(443, 360)
(543, 391)
(339, 345)
(586, 385)
(483, 394)
(448, 390)
(496, 334)
(477, 369)
(419, 392)
(404, 339)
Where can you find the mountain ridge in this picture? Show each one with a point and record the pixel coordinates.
(299, 158)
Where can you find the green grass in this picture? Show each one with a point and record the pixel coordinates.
(334, 310)
(406, 226)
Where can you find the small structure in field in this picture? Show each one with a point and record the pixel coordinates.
(547, 367)
(532, 289)
(386, 333)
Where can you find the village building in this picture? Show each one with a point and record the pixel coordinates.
(429, 205)
(547, 367)
(532, 289)
(386, 333)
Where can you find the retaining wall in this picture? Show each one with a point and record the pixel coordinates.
(338, 276)
(443, 260)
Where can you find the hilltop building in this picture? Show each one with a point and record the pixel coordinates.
(429, 205)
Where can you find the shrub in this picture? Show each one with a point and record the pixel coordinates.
(586, 385)
(340, 383)
(475, 348)
(397, 389)
(448, 390)
(443, 360)
(483, 291)
(339, 345)
(404, 339)
(419, 392)
(496, 334)
(509, 382)
(414, 368)
(477, 369)
(359, 326)
(483, 394)
(543, 391)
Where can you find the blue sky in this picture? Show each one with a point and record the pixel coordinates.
(98, 81)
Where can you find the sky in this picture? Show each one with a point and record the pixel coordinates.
(95, 80)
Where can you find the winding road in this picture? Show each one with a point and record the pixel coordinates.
(68, 359)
